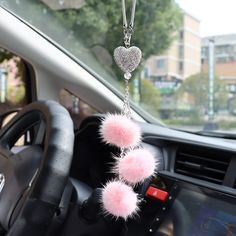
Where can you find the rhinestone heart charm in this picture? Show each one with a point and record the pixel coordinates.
(127, 58)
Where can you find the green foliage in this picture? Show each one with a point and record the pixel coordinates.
(4, 54)
(232, 105)
(196, 87)
(14, 68)
(150, 97)
(16, 95)
(227, 125)
(100, 23)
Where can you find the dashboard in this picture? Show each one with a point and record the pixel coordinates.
(193, 192)
(198, 211)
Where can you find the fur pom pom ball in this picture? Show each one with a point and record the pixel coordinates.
(119, 199)
(136, 166)
(120, 131)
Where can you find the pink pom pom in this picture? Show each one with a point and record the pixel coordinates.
(120, 131)
(119, 199)
(136, 166)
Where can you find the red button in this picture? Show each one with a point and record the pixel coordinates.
(157, 193)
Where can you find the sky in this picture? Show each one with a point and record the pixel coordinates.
(216, 16)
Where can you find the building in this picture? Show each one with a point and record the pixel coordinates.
(180, 61)
(224, 58)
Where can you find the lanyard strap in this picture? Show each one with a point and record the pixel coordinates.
(131, 24)
(128, 28)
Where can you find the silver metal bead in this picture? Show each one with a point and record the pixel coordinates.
(127, 76)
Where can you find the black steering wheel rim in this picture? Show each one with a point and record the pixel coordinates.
(49, 180)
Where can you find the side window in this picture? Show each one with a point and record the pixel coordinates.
(77, 108)
(12, 82)
(14, 94)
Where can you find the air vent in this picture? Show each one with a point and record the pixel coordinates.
(202, 163)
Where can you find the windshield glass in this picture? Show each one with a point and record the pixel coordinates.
(187, 78)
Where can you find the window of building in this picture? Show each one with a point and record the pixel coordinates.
(221, 60)
(218, 50)
(222, 49)
(181, 35)
(146, 72)
(204, 52)
(231, 88)
(181, 67)
(77, 108)
(161, 63)
(181, 51)
(15, 90)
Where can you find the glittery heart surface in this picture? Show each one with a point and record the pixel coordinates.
(127, 58)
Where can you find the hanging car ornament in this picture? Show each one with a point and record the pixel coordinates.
(134, 164)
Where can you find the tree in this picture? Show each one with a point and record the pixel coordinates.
(99, 23)
(5, 54)
(155, 23)
(196, 89)
(232, 105)
(150, 97)
(96, 29)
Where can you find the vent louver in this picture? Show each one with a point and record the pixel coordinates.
(201, 163)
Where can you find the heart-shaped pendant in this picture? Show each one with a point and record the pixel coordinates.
(127, 58)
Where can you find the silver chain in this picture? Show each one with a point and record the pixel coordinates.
(126, 105)
(128, 29)
(126, 109)
(125, 24)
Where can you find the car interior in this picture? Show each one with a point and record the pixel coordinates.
(53, 161)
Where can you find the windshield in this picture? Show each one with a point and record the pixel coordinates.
(187, 78)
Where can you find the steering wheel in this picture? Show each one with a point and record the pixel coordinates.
(32, 180)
